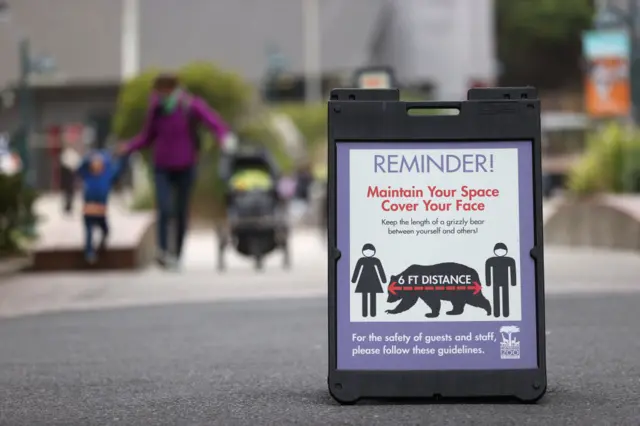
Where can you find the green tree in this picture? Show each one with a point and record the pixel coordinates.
(539, 41)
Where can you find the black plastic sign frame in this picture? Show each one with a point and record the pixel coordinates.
(436, 272)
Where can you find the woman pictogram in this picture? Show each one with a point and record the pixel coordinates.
(369, 275)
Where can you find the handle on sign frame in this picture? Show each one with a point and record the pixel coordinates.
(432, 109)
(433, 105)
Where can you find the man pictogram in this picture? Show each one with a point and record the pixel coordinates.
(500, 272)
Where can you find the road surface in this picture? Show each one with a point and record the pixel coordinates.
(198, 348)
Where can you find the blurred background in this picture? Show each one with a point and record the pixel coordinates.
(79, 73)
(79, 76)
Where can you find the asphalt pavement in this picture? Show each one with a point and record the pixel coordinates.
(194, 348)
(264, 363)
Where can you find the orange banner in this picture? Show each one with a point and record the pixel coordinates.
(607, 88)
(375, 80)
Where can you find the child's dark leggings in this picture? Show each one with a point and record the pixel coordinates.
(91, 222)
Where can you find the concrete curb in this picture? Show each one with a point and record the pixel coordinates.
(13, 266)
(603, 221)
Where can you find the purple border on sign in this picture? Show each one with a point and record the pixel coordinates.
(490, 359)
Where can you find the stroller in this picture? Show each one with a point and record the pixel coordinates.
(256, 216)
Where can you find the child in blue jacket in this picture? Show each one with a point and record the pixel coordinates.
(99, 170)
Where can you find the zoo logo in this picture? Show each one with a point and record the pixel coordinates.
(510, 346)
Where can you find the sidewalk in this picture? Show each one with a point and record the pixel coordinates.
(56, 230)
(568, 271)
(13, 265)
(60, 239)
(549, 207)
(199, 281)
(61, 236)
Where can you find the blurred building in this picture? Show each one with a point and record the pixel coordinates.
(447, 44)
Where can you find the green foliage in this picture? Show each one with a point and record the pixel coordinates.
(132, 105)
(144, 197)
(539, 41)
(16, 211)
(412, 96)
(144, 201)
(224, 91)
(311, 120)
(611, 162)
(209, 187)
(260, 130)
(208, 192)
(544, 21)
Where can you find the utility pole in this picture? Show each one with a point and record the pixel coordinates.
(129, 68)
(25, 61)
(29, 65)
(130, 41)
(312, 51)
(634, 65)
(25, 102)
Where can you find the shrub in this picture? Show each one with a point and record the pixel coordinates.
(144, 194)
(611, 162)
(311, 120)
(209, 188)
(16, 212)
(132, 105)
(261, 131)
(230, 96)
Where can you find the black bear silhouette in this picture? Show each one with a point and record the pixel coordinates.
(441, 282)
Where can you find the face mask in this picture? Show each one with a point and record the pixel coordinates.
(170, 101)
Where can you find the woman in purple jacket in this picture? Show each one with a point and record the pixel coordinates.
(169, 129)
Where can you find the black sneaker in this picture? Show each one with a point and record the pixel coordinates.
(103, 244)
(91, 258)
(172, 263)
(161, 259)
